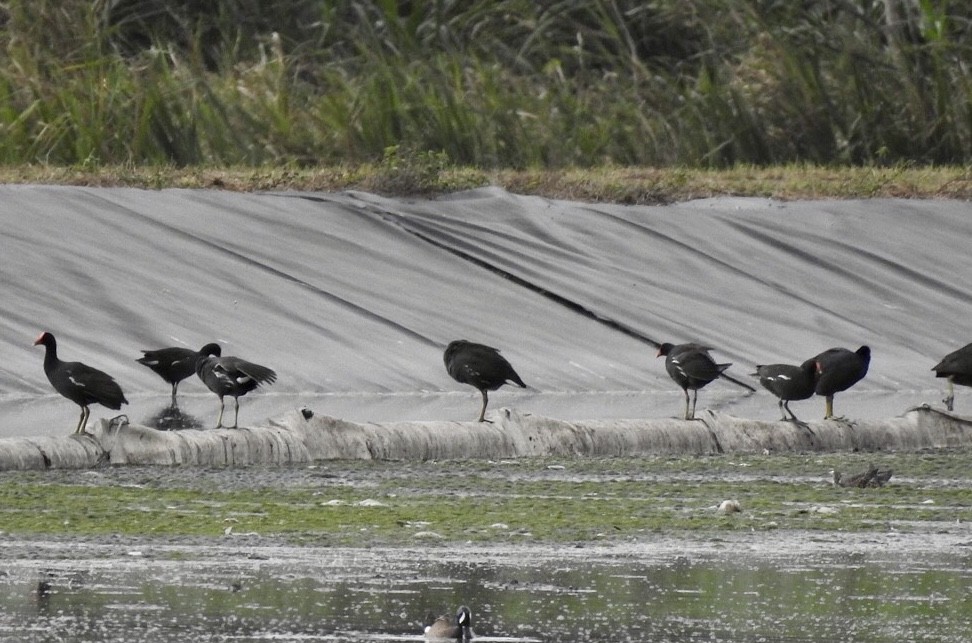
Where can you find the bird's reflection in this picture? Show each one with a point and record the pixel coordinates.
(51, 582)
(171, 418)
(42, 595)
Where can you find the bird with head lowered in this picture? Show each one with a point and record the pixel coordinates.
(479, 366)
(692, 368)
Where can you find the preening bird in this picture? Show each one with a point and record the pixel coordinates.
(230, 376)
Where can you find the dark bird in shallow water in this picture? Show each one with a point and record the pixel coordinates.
(957, 367)
(838, 369)
(171, 364)
(788, 383)
(230, 376)
(458, 628)
(79, 382)
(691, 366)
(479, 366)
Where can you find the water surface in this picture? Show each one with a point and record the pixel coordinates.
(348, 595)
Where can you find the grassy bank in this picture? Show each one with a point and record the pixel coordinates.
(507, 84)
(609, 184)
(530, 500)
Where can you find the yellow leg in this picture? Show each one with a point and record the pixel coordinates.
(83, 420)
(830, 407)
(482, 411)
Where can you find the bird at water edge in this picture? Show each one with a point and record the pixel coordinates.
(479, 366)
(957, 367)
(172, 364)
(788, 382)
(79, 382)
(230, 376)
(838, 369)
(691, 367)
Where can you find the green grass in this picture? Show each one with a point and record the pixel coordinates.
(530, 500)
(489, 85)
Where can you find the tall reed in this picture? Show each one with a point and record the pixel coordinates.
(510, 83)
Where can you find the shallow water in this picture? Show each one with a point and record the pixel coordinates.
(252, 594)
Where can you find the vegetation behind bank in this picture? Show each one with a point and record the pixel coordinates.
(512, 84)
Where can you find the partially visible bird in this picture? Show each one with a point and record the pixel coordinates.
(788, 382)
(230, 376)
(458, 628)
(881, 477)
(838, 369)
(79, 382)
(172, 364)
(872, 478)
(859, 480)
(957, 367)
(691, 366)
(480, 366)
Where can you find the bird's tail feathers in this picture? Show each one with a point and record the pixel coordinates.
(261, 374)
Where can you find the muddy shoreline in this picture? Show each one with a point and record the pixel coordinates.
(786, 499)
(657, 561)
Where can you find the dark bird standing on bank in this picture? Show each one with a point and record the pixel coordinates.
(171, 364)
(691, 366)
(458, 628)
(480, 366)
(788, 383)
(230, 376)
(957, 367)
(79, 382)
(838, 369)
